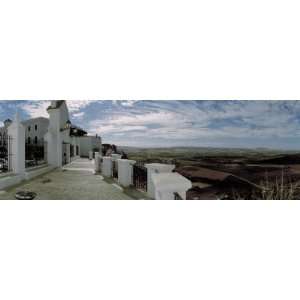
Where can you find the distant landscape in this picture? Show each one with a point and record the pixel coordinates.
(230, 173)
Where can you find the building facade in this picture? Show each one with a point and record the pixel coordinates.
(35, 130)
(64, 140)
(89, 143)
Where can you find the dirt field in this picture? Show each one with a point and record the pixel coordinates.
(229, 174)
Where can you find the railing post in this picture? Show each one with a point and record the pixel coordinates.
(17, 133)
(125, 172)
(115, 158)
(90, 155)
(156, 168)
(107, 166)
(170, 186)
(68, 153)
(98, 159)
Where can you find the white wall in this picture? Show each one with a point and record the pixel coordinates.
(88, 143)
(42, 128)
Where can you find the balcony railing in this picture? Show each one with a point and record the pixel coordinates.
(177, 196)
(5, 154)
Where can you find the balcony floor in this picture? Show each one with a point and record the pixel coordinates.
(75, 181)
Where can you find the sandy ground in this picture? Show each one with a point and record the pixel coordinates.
(76, 181)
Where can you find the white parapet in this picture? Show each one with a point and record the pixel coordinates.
(125, 171)
(107, 166)
(68, 153)
(17, 148)
(98, 159)
(156, 168)
(115, 156)
(90, 155)
(167, 184)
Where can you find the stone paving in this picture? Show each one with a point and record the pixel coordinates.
(75, 181)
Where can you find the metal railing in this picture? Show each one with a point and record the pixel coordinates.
(6, 155)
(177, 196)
(115, 169)
(72, 150)
(35, 154)
(140, 177)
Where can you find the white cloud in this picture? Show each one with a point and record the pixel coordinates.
(39, 108)
(183, 121)
(76, 105)
(36, 108)
(78, 115)
(128, 103)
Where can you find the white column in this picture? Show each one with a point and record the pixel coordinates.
(115, 156)
(68, 153)
(125, 167)
(17, 133)
(98, 159)
(156, 168)
(107, 166)
(167, 184)
(54, 139)
(90, 155)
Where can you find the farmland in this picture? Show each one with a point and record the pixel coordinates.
(229, 173)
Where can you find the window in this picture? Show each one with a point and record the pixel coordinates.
(35, 140)
(28, 128)
(28, 140)
(35, 127)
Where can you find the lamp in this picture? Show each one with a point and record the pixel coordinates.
(68, 124)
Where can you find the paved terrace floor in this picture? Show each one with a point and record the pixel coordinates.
(75, 181)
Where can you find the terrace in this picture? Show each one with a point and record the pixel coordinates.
(74, 181)
(27, 167)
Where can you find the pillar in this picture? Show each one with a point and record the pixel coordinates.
(167, 184)
(17, 150)
(54, 139)
(125, 169)
(107, 166)
(156, 168)
(98, 159)
(90, 155)
(68, 153)
(116, 156)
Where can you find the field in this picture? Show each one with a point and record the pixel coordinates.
(218, 173)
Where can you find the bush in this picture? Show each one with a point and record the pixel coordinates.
(276, 189)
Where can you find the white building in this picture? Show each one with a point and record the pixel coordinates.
(74, 140)
(89, 143)
(35, 130)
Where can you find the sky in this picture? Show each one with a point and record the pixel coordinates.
(236, 124)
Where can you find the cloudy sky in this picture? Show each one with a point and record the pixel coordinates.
(249, 124)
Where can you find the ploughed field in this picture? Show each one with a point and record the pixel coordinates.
(231, 173)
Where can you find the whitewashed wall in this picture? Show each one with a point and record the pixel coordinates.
(88, 143)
